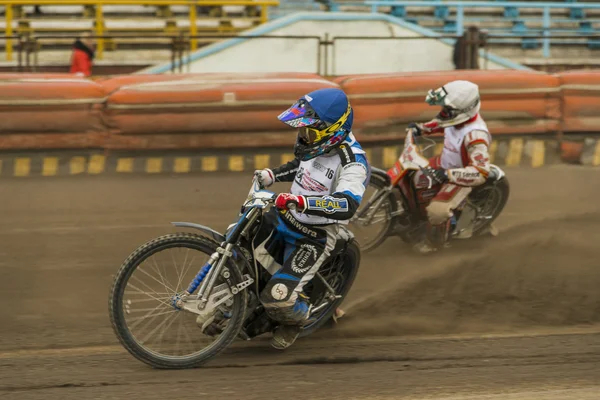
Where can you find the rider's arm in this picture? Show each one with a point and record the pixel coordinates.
(347, 195)
(286, 172)
(427, 128)
(476, 172)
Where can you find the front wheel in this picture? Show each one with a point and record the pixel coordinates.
(339, 274)
(143, 300)
(373, 220)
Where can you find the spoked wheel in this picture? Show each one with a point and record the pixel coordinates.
(372, 221)
(339, 274)
(143, 304)
(489, 200)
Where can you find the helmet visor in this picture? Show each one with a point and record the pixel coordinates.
(299, 115)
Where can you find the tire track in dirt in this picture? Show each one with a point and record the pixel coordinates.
(544, 274)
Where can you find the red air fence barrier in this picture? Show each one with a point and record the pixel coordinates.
(581, 101)
(205, 111)
(513, 102)
(39, 111)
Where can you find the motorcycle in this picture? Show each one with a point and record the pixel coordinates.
(222, 297)
(394, 209)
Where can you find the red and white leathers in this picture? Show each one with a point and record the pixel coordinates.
(465, 157)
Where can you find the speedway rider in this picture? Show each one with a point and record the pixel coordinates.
(463, 164)
(329, 174)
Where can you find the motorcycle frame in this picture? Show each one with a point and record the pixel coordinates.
(258, 199)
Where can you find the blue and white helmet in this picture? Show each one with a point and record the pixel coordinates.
(324, 119)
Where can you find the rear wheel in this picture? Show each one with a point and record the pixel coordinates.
(339, 274)
(489, 200)
(143, 296)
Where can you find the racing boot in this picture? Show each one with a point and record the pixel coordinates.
(424, 247)
(491, 230)
(339, 313)
(437, 238)
(214, 325)
(285, 335)
(287, 332)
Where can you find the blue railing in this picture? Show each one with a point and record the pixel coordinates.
(511, 12)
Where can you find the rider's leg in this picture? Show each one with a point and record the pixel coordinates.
(268, 244)
(282, 297)
(439, 214)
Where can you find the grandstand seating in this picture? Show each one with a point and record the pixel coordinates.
(134, 26)
(504, 18)
(150, 27)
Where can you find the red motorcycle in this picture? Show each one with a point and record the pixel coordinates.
(395, 209)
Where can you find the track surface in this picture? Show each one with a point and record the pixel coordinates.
(511, 318)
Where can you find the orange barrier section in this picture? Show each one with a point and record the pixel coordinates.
(50, 111)
(512, 101)
(113, 83)
(184, 111)
(581, 101)
(202, 104)
(29, 76)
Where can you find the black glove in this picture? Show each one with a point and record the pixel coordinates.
(416, 128)
(439, 175)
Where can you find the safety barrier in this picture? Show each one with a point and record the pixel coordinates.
(219, 112)
(50, 111)
(195, 110)
(515, 101)
(581, 101)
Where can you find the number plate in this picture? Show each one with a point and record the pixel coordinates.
(396, 172)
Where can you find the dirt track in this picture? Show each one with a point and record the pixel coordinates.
(522, 310)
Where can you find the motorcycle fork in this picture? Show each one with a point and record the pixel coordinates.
(409, 206)
(210, 272)
(409, 196)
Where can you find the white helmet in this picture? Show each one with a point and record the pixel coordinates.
(459, 101)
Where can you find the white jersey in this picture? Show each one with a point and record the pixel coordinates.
(454, 154)
(465, 156)
(329, 174)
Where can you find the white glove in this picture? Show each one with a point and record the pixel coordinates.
(264, 177)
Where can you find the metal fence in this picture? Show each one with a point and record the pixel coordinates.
(325, 53)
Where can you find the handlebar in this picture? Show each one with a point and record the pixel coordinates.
(417, 139)
(257, 186)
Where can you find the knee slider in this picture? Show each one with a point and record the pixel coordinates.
(278, 294)
(283, 304)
